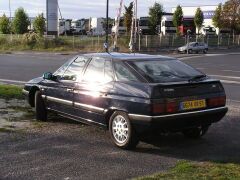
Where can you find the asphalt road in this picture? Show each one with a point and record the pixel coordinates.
(223, 67)
(63, 149)
(20, 68)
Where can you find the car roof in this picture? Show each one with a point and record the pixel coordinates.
(128, 56)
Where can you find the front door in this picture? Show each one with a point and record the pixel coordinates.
(60, 93)
(92, 93)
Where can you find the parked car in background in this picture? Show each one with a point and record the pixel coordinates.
(130, 95)
(194, 47)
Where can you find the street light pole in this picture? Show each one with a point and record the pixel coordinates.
(106, 42)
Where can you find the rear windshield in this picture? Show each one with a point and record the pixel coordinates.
(162, 71)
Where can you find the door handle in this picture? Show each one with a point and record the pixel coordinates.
(103, 94)
(70, 90)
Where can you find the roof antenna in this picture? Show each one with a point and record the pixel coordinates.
(107, 24)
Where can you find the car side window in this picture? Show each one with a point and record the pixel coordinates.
(75, 69)
(123, 73)
(63, 68)
(108, 71)
(95, 70)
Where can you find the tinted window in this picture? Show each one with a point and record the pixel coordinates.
(75, 69)
(108, 72)
(165, 70)
(123, 73)
(95, 71)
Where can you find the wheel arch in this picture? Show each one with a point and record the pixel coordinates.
(108, 113)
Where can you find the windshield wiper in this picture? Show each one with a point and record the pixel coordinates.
(168, 73)
(197, 78)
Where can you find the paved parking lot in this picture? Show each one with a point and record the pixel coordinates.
(66, 150)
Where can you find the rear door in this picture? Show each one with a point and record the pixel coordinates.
(93, 92)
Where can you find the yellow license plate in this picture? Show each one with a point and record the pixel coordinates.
(197, 104)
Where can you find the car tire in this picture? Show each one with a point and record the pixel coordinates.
(122, 132)
(190, 51)
(196, 133)
(205, 51)
(40, 108)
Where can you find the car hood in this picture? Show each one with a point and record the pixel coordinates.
(35, 80)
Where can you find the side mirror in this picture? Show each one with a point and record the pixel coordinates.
(48, 76)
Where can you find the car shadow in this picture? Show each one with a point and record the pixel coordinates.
(219, 145)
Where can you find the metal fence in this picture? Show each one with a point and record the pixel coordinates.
(143, 42)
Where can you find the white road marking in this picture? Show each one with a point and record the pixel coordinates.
(229, 82)
(12, 81)
(228, 77)
(207, 55)
(231, 71)
(236, 101)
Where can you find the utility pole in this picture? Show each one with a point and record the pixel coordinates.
(106, 42)
(133, 38)
(10, 13)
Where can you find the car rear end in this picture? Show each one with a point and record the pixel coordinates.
(184, 106)
(182, 97)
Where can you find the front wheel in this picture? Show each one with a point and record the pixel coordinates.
(205, 51)
(196, 133)
(40, 108)
(122, 132)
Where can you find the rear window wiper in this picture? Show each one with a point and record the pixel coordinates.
(197, 78)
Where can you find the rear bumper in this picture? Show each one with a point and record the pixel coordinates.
(180, 121)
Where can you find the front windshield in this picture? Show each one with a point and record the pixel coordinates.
(162, 71)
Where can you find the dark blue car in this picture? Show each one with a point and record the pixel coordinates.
(130, 94)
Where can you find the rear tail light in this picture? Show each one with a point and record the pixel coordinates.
(158, 108)
(170, 107)
(217, 101)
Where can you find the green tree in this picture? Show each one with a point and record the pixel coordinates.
(198, 19)
(39, 24)
(217, 18)
(177, 17)
(155, 16)
(128, 15)
(5, 24)
(231, 15)
(20, 22)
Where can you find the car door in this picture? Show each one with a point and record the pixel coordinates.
(60, 93)
(93, 92)
(195, 47)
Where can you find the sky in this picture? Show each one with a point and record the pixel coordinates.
(77, 9)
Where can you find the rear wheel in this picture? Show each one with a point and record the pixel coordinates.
(205, 51)
(122, 132)
(40, 108)
(196, 133)
(190, 51)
